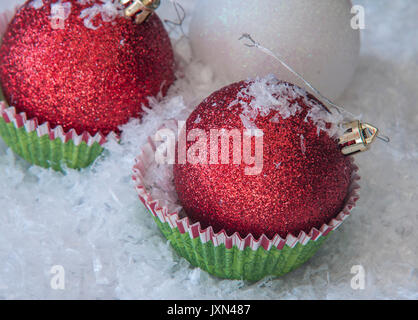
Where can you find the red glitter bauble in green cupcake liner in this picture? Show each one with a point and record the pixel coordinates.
(224, 255)
(77, 70)
(302, 180)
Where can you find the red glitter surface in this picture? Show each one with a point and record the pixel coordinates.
(80, 78)
(298, 188)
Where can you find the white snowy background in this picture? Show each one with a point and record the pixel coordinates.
(92, 223)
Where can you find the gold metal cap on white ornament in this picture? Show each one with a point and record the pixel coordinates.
(141, 9)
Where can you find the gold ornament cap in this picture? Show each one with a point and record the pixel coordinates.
(141, 9)
(358, 137)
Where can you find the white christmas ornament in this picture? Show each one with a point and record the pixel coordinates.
(314, 37)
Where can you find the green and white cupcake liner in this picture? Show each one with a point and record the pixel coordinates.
(220, 254)
(46, 147)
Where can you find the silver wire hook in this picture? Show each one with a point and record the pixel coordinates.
(255, 44)
(383, 138)
(181, 16)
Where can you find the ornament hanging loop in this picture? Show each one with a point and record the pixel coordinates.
(141, 9)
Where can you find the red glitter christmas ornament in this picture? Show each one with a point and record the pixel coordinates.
(82, 64)
(302, 181)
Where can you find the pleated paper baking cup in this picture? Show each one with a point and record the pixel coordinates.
(39, 144)
(220, 254)
(46, 147)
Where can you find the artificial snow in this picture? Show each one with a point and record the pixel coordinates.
(108, 9)
(92, 223)
(267, 94)
(60, 10)
(37, 4)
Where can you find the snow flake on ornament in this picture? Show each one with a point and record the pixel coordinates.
(264, 95)
(324, 121)
(198, 119)
(302, 144)
(109, 11)
(59, 13)
(36, 4)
